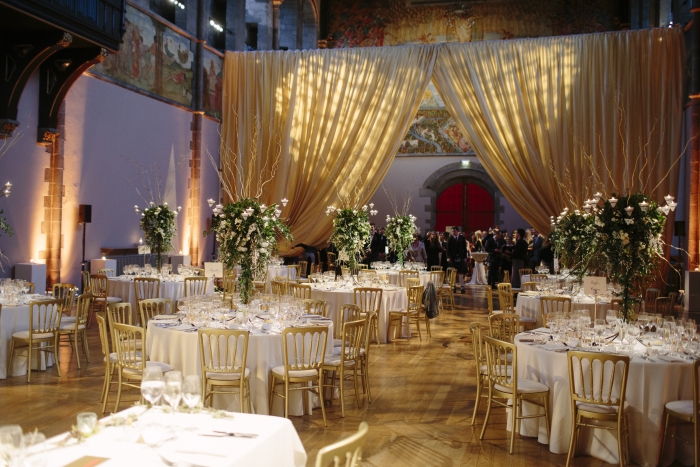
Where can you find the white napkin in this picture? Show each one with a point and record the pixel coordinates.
(554, 346)
(165, 318)
(668, 359)
(199, 450)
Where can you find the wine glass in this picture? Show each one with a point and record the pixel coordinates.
(611, 318)
(173, 389)
(152, 384)
(192, 391)
(599, 328)
(11, 444)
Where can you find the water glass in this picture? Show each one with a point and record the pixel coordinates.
(11, 445)
(86, 423)
(173, 389)
(152, 384)
(192, 391)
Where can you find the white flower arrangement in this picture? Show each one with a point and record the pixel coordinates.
(351, 231)
(399, 234)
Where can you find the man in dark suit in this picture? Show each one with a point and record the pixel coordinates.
(384, 244)
(375, 245)
(537, 242)
(493, 248)
(457, 254)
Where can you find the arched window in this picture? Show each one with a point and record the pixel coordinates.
(464, 204)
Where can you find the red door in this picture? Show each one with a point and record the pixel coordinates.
(464, 204)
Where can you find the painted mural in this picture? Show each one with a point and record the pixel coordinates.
(153, 58)
(213, 80)
(434, 132)
(366, 23)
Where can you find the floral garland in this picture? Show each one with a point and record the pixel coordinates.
(4, 225)
(399, 234)
(628, 233)
(351, 232)
(574, 240)
(158, 225)
(247, 232)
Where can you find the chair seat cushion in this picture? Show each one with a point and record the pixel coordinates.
(25, 335)
(70, 326)
(484, 370)
(67, 319)
(334, 361)
(598, 408)
(112, 358)
(227, 376)
(527, 319)
(525, 386)
(337, 342)
(150, 364)
(278, 371)
(684, 408)
(109, 300)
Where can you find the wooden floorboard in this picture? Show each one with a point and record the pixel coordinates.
(423, 397)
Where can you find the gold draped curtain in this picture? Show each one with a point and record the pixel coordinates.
(332, 119)
(554, 118)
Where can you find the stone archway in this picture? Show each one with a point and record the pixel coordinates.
(448, 175)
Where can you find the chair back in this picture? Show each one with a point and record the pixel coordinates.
(598, 378)
(538, 277)
(331, 260)
(98, 285)
(154, 306)
(489, 299)
(344, 453)
(504, 326)
(451, 276)
(353, 337)
(119, 313)
(230, 284)
(303, 269)
(104, 337)
(502, 361)
(477, 345)
(369, 299)
(361, 266)
(405, 274)
(223, 351)
(553, 304)
(412, 282)
(31, 286)
(650, 297)
(128, 341)
(664, 305)
(86, 280)
(300, 290)
(506, 276)
(195, 285)
(528, 286)
(415, 298)
(146, 288)
(616, 304)
(109, 272)
(297, 272)
(65, 293)
(279, 288)
(524, 271)
(83, 309)
(348, 312)
(505, 297)
(435, 268)
(437, 278)
(315, 307)
(304, 348)
(44, 316)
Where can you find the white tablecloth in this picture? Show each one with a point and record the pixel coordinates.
(393, 299)
(529, 306)
(479, 274)
(393, 277)
(15, 319)
(181, 350)
(277, 442)
(649, 387)
(272, 272)
(123, 287)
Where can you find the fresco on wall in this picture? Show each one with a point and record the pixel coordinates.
(213, 80)
(165, 70)
(366, 23)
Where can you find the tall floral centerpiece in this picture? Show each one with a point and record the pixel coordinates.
(351, 231)
(399, 234)
(574, 239)
(158, 225)
(247, 232)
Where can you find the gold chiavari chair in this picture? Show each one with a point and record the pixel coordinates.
(369, 300)
(524, 271)
(553, 304)
(448, 289)
(300, 290)
(31, 286)
(344, 270)
(153, 307)
(66, 293)
(506, 276)
(119, 313)
(99, 290)
(345, 364)
(528, 286)
(109, 359)
(412, 282)
(42, 335)
(230, 285)
(650, 297)
(504, 326)
(664, 305)
(363, 370)
(482, 371)
(303, 269)
(489, 301)
(86, 281)
(195, 285)
(411, 315)
(594, 386)
(685, 411)
(109, 272)
(315, 307)
(304, 349)
(146, 288)
(538, 277)
(259, 288)
(507, 303)
(438, 279)
(502, 362)
(616, 304)
(348, 449)
(405, 274)
(128, 341)
(78, 327)
(330, 264)
(223, 355)
(435, 268)
(279, 288)
(297, 273)
(348, 312)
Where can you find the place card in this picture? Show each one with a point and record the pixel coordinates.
(213, 269)
(594, 285)
(144, 250)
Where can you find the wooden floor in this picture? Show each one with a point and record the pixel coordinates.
(423, 395)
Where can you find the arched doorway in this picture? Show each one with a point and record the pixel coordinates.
(464, 204)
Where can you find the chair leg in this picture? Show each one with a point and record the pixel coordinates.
(75, 347)
(572, 442)
(663, 438)
(55, 355)
(323, 408)
(488, 412)
(366, 374)
(478, 395)
(375, 322)
(9, 358)
(513, 423)
(354, 380)
(695, 444)
(86, 349)
(272, 392)
(342, 392)
(119, 391)
(250, 402)
(427, 326)
(620, 440)
(545, 403)
(286, 398)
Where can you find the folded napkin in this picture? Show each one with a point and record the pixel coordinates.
(165, 317)
(530, 293)
(313, 316)
(554, 346)
(669, 359)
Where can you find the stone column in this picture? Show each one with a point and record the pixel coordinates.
(300, 24)
(276, 4)
(53, 205)
(694, 195)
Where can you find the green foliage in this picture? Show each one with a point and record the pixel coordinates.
(4, 226)
(574, 241)
(351, 232)
(247, 232)
(158, 225)
(399, 234)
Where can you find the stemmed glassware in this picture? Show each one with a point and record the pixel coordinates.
(172, 392)
(152, 384)
(599, 328)
(11, 445)
(192, 391)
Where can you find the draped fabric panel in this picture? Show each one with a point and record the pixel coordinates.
(335, 118)
(554, 118)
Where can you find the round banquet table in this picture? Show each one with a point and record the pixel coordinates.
(123, 287)
(479, 276)
(649, 387)
(181, 350)
(393, 299)
(393, 277)
(529, 306)
(15, 318)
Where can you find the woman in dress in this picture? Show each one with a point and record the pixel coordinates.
(518, 257)
(433, 248)
(418, 250)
